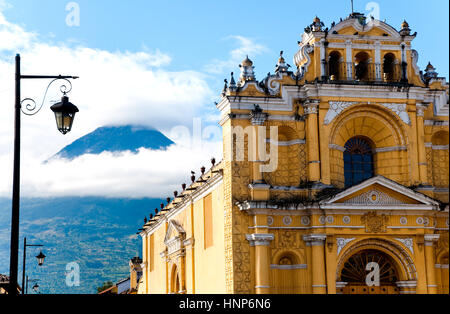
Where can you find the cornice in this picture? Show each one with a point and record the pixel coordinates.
(210, 184)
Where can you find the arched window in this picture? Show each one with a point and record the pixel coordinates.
(389, 67)
(334, 66)
(362, 66)
(358, 161)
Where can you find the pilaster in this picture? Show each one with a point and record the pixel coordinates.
(261, 243)
(421, 145)
(430, 240)
(317, 243)
(311, 108)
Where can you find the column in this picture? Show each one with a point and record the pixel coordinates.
(430, 264)
(444, 278)
(421, 145)
(378, 75)
(254, 154)
(407, 287)
(310, 266)
(331, 261)
(404, 64)
(323, 69)
(261, 242)
(419, 261)
(312, 139)
(349, 57)
(413, 155)
(259, 191)
(317, 243)
(324, 140)
(438, 278)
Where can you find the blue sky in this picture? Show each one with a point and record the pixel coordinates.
(159, 64)
(195, 32)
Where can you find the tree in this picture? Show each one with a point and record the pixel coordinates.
(106, 286)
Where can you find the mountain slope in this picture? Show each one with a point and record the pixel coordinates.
(115, 139)
(98, 234)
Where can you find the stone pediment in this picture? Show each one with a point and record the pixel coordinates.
(175, 236)
(174, 230)
(380, 192)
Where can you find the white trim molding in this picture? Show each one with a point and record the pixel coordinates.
(258, 239)
(289, 267)
(342, 243)
(315, 239)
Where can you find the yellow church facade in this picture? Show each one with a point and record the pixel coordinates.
(334, 178)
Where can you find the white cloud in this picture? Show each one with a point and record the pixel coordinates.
(115, 88)
(13, 37)
(148, 173)
(247, 46)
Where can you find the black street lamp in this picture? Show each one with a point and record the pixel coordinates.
(65, 113)
(40, 259)
(35, 287)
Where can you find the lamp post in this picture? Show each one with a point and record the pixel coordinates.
(64, 114)
(40, 258)
(35, 287)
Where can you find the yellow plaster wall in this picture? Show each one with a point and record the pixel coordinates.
(209, 262)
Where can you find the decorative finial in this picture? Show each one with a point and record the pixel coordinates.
(168, 200)
(184, 186)
(225, 88)
(316, 26)
(281, 65)
(213, 161)
(193, 176)
(247, 73)
(175, 193)
(233, 85)
(430, 72)
(145, 220)
(247, 62)
(405, 31)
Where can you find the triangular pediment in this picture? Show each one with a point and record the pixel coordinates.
(174, 231)
(382, 192)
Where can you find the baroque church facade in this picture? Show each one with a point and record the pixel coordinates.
(334, 179)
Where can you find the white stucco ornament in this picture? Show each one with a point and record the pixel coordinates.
(337, 107)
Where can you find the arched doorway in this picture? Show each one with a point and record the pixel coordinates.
(396, 269)
(369, 272)
(175, 281)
